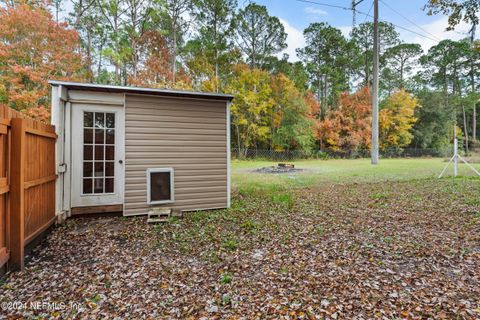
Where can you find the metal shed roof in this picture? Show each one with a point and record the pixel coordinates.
(138, 90)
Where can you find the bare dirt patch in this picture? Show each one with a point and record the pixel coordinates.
(279, 169)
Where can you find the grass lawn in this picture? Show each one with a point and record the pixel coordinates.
(340, 171)
(340, 240)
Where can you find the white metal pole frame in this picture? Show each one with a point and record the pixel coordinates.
(376, 50)
(455, 152)
(457, 157)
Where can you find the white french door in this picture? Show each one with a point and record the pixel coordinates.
(97, 155)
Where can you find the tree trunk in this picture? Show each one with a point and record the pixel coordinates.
(89, 57)
(465, 128)
(99, 67)
(238, 139)
(216, 71)
(272, 128)
(474, 123)
(216, 41)
(174, 51)
(57, 10)
(445, 87)
(319, 88)
(367, 73)
(401, 74)
(325, 88)
(472, 83)
(116, 63)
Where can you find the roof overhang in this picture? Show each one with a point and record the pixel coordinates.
(138, 90)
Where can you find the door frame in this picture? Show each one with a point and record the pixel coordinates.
(77, 199)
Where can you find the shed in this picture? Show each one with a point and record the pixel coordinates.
(132, 149)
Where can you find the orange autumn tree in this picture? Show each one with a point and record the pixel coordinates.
(155, 64)
(34, 49)
(349, 126)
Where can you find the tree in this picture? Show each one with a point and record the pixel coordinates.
(35, 49)
(313, 114)
(114, 47)
(214, 18)
(172, 19)
(447, 64)
(258, 34)
(389, 83)
(251, 106)
(137, 21)
(466, 10)
(434, 126)
(154, 69)
(291, 128)
(89, 24)
(295, 71)
(458, 11)
(473, 78)
(362, 36)
(348, 128)
(396, 120)
(326, 58)
(402, 58)
(201, 70)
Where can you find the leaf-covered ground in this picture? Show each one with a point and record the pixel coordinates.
(386, 250)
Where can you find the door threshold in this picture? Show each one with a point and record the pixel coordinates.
(90, 210)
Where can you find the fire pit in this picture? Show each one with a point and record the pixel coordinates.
(280, 168)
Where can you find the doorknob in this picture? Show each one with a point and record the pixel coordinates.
(120, 161)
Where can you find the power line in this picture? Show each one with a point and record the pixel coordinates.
(409, 30)
(367, 15)
(325, 4)
(355, 10)
(370, 10)
(409, 20)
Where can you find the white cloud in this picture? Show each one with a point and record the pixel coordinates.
(315, 11)
(434, 30)
(346, 30)
(295, 40)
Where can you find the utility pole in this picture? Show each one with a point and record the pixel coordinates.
(376, 50)
(355, 3)
(354, 16)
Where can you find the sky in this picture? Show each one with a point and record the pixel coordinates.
(297, 15)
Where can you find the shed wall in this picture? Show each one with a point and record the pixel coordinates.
(188, 135)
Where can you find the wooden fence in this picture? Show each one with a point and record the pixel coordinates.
(27, 183)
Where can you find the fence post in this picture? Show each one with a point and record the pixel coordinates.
(17, 194)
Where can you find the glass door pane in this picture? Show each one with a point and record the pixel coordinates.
(98, 152)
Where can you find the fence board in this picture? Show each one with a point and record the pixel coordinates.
(4, 189)
(27, 184)
(17, 194)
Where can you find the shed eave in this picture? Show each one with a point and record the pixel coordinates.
(139, 90)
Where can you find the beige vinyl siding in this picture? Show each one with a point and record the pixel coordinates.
(188, 135)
